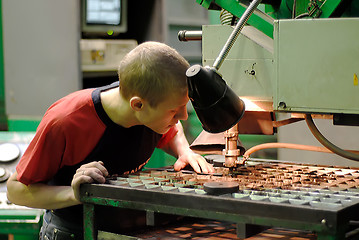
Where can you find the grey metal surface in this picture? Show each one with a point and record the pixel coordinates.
(325, 208)
(234, 35)
(317, 65)
(245, 56)
(41, 54)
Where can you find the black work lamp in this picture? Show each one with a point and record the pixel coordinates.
(217, 106)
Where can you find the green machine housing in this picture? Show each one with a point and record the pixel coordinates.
(293, 56)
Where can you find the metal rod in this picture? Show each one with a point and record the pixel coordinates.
(231, 149)
(235, 33)
(185, 35)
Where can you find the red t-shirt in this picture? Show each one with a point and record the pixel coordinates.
(76, 130)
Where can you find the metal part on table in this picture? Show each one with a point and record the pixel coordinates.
(12, 147)
(322, 199)
(22, 222)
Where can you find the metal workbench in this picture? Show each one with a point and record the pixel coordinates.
(321, 199)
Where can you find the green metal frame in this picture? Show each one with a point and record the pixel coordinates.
(262, 22)
(25, 222)
(23, 125)
(328, 7)
(3, 118)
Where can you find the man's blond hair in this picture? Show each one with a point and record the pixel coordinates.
(152, 71)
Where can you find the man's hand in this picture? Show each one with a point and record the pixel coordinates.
(88, 173)
(197, 162)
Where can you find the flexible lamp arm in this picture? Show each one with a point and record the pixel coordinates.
(217, 106)
(235, 33)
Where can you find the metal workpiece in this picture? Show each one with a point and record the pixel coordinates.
(321, 199)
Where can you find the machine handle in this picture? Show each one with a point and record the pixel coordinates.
(185, 35)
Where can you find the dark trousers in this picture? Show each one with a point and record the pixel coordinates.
(55, 228)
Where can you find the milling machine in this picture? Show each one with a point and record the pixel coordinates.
(294, 57)
(305, 66)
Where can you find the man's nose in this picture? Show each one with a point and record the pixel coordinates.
(182, 114)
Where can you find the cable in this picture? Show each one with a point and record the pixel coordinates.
(294, 8)
(286, 145)
(341, 152)
(328, 146)
(283, 145)
(302, 15)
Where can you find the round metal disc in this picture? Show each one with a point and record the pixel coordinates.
(218, 188)
(4, 174)
(219, 162)
(9, 152)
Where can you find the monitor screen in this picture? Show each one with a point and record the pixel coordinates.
(104, 17)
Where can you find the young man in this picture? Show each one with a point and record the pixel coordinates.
(93, 133)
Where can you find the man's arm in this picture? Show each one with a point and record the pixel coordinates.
(179, 147)
(40, 195)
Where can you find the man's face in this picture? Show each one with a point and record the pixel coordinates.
(166, 114)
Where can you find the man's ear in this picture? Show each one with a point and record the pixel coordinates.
(136, 103)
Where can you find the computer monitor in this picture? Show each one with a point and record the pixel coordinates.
(102, 18)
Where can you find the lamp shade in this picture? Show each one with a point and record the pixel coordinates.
(217, 106)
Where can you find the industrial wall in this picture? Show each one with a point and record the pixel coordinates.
(41, 54)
